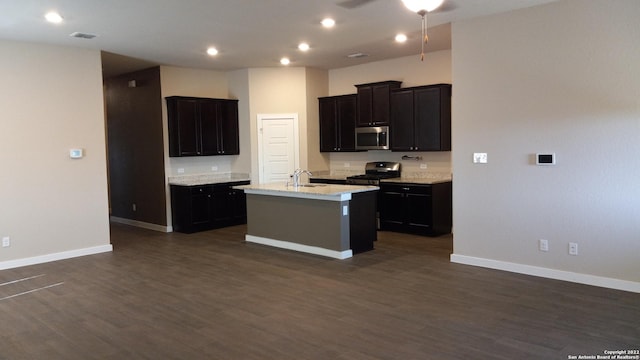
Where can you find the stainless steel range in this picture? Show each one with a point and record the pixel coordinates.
(374, 171)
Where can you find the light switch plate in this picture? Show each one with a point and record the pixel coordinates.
(479, 158)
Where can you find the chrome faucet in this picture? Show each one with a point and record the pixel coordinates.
(296, 176)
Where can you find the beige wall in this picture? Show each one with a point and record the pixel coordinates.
(50, 205)
(239, 89)
(317, 86)
(436, 68)
(563, 78)
(277, 91)
(177, 81)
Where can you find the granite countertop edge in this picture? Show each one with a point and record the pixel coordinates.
(207, 179)
(321, 190)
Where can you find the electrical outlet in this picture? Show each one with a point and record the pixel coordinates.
(423, 166)
(543, 245)
(6, 241)
(214, 168)
(480, 158)
(347, 164)
(134, 207)
(181, 171)
(573, 248)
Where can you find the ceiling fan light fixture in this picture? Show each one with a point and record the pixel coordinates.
(418, 6)
(422, 8)
(53, 17)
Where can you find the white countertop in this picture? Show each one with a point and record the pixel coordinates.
(315, 191)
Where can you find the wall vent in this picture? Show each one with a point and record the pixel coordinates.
(82, 35)
(357, 55)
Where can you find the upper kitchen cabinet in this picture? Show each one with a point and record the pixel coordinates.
(421, 118)
(337, 123)
(374, 102)
(202, 126)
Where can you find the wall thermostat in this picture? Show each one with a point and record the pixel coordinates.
(76, 153)
(545, 159)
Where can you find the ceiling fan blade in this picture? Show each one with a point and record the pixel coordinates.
(446, 6)
(352, 4)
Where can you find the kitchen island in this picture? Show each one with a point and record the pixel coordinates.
(328, 220)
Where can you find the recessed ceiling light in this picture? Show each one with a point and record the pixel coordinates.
(401, 38)
(328, 22)
(285, 61)
(212, 51)
(53, 17)
(303, 47)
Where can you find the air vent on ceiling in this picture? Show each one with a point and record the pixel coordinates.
(82, 35)
(357, 55)
(352, 4)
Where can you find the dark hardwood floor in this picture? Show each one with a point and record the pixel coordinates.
(211, 296)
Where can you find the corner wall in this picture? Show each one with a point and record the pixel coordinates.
(52, 206)
(562, 78)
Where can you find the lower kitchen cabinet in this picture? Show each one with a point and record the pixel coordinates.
(205, 207)
(415, 208)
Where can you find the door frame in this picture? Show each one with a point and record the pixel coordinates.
(261, 118)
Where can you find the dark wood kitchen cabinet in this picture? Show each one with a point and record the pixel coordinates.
(421, 118)
(415, 208)
(205, 207)
(202, 126)
(374, 107)
(337, 123)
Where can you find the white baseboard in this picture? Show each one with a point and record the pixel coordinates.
(10, 264)
(141, 224)
(586, 279)
(341, 255)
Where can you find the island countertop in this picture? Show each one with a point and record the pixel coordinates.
(307, 191)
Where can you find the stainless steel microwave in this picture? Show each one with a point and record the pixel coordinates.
(372, 138)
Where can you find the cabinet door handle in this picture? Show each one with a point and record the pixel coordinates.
(406, 188)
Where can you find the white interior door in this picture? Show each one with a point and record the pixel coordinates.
(278, 146)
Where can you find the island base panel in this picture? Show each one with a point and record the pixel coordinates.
(310, 222)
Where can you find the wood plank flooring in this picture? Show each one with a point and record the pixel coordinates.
(212, 296)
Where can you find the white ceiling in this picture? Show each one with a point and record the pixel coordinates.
(248, 33)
